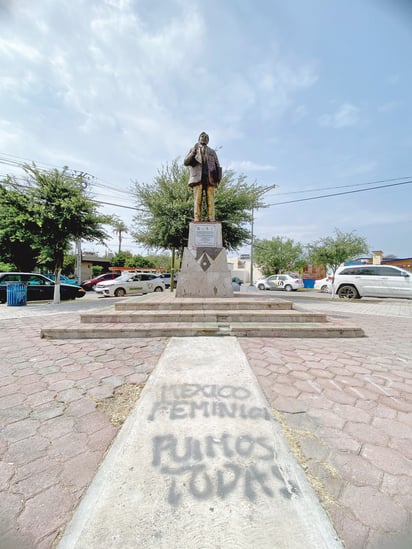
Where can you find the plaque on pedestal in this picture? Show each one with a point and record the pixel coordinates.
(204, 271)
(207, 235)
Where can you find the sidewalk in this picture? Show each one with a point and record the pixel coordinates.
(345, 407)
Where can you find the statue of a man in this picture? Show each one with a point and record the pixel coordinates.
(205, 175)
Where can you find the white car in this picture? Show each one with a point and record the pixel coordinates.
(130, 284)
(356, 281)
(279, 282)
(324, 285)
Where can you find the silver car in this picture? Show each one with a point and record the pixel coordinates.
(324, 285)
(284, 282)
(130, 284)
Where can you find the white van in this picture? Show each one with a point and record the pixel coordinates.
(356, 281)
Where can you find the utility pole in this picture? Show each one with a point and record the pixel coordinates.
(79, 261)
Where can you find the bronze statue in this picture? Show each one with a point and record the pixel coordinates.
(205, 175)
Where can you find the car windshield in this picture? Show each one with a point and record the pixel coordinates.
(123, 276)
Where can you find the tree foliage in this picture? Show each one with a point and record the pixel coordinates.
(166, 208)
(127, 259)
(119, 227)
(17, 245)
(278, 255)
(331, 251)
(44, 215)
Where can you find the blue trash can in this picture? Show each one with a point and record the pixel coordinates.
(16, 294)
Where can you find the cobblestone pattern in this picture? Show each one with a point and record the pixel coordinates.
(52, 438)
(348, 404)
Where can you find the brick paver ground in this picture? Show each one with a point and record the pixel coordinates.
(345, 405)
(52, 438)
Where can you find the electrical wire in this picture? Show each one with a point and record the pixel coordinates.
(96, 182)
(345, 186)
(339, 194)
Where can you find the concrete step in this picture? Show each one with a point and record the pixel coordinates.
(145, 316)
(167, 302)
(191, 329)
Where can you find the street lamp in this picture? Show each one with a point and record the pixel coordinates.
(260, 192)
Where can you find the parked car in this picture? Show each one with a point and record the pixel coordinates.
(167, 279)
(324, 285)
(130, 284)
(91, 283)
(39, 287)
(237, 280)
(356, 281)
(63, 278)
(279, 282)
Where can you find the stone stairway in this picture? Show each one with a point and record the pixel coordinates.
(164, 315)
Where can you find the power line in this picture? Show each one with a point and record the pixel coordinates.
(120, 206)
(95, 182)
(346, 186)
(16, 161)
(339, 194)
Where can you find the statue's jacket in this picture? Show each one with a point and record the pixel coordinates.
(194, 161)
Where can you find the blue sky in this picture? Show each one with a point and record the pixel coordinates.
(311, 95)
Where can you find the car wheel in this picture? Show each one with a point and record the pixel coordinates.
(261, 287)
(288, 288)
(324, 289)
(120, 292)
(348, 292)
(158, 289)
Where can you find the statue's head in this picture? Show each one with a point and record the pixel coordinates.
(203, 138)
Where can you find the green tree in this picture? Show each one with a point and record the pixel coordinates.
(17, 245)
(127, 259)
(4, 267)
(278, 255)
(331, 251)
(166, 209)
(69, 264)
(119, 227)
(50, 211)
(162, 261)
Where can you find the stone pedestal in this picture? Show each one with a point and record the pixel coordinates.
(204, 270)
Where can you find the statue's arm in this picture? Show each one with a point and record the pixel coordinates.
(218, 170)
(190, 157)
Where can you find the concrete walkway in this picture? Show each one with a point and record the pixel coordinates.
(200, 463)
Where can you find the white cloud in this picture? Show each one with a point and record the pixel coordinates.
(390, 106)
(19, 49)
(299, 113)
(393, 79)
(247, 165)
(345, 115)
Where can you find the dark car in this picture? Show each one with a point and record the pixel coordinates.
(39, 287)
(63, 279)
(167, 279)
(90, 284)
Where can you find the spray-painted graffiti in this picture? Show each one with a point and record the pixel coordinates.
(213, 465)
(190, 401)
(217, 466)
